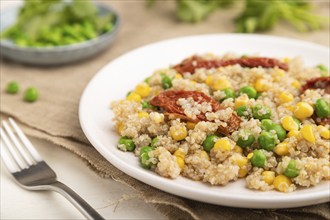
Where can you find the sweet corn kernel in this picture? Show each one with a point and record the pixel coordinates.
(204, 155)
(293, 133)
(134, 97)
(238, 149)
(222, 144)
(285, 97)
(193, 82)
(289, 124)
(191, 125)
(290, 108)
(286, 60)
(120, 127)
(295, 84)
(209, 80)
(323, 131)
(261, 85)
(282, 183)
(278, 75)
(178, 133)
(179, 153)
(249, 156)
(282, 149)
(143, 114)
(180, 162)
(142, 89)
(303, 110)
(178, 76)
(308, 133)
(242, 172)
(241, 161)
(268, 176)
(241, 100)
(217, 84)
(221, 84)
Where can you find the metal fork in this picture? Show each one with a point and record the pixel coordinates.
(31, 172)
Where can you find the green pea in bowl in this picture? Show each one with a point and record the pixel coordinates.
(55, 54)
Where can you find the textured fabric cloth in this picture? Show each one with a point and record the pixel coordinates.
(54, 116)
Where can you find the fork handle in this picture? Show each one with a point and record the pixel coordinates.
(87, 210)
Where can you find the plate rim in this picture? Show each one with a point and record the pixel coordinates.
(316, 197)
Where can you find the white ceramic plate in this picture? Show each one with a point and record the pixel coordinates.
(121, 75)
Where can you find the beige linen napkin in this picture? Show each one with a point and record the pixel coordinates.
(54, 116)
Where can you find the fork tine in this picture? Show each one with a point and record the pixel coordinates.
(7, 160)
(36, 156)
(10, 148)
(18, 145)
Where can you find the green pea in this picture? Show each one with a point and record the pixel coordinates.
(291, 170)
(147, 80)
(154, 141)
(145, 149)
(68, 40)
(146, 104)
(258, 159)
(69, 30)
(229, 93)
(322, 108)
(261, 112)
(267, 140)
(12, 87)
(55, 37)
(166, 81)
(88, 30)
(244, 141)
(280, 131)
(322, 68)
(266, 124)
(258, 95)
(209, 142)
(108, 27)
(89, 34)
(250, 91)
(22, 42)
(31, 94)
(144, 157)
(243, 111)
(297, 121)
(126, 144)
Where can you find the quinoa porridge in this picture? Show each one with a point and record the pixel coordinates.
(218, 119)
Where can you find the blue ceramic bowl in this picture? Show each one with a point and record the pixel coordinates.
(58, 54)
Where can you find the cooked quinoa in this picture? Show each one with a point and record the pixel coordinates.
(218, 119)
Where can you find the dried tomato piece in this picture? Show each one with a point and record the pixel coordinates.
(189, 65)
(317, 83)
(168, 101)
(232, 125)
(321, 121)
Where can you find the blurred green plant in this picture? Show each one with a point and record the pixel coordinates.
(256, 15)
(43, 23)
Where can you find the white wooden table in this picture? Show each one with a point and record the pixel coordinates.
(102, 194)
